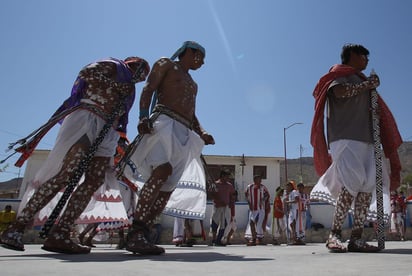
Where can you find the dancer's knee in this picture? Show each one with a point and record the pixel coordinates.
(162, 172)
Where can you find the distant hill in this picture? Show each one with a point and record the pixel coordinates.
(10, 188)
(299, 169)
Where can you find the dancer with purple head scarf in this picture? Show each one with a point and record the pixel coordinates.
(101, 88)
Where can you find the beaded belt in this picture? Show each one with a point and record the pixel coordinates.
(161, 109)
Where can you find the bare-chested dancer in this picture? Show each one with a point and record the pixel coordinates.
(172, 138)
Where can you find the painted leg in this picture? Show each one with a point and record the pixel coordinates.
(12, 237)
(86, 230)
(151, 203)
(158, 207)
(356, 243)
(343, 203)
(58, 240)
(88, 242)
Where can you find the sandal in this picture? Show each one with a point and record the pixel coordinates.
(65, 247)
(137, 243)
(335, 245)
(362, 246)
(60, 243)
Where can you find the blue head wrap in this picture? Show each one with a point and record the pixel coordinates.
(188, 44)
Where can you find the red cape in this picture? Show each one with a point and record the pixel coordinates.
(390, 137)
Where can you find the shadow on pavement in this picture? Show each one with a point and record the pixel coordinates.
(200, 257)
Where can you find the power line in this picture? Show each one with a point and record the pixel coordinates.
(11, 133)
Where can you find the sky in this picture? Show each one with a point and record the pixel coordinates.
(263, 60)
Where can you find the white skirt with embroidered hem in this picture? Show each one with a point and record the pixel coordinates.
(354, 168)
(170, 142)
(76, 125)
(189, 198)
(108, 205)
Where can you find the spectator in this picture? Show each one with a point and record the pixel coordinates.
(7, 216)
(278, 221)
(257, 196)
(223, 213)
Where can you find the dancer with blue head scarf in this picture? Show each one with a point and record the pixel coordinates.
(171, 141)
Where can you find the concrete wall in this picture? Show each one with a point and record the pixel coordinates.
(321, 213)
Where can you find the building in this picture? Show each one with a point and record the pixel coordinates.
(243, 169)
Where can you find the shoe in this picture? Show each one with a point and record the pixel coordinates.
(81, 239)
(191, 242)
(88, 243)
(60, 242)
(185, 245)
(361, 245)
(136, 241)
(299, 242)
(223, 241)
(121, 244)
(177, 241)
(251, 243)
(12, 237)
(335, 245)
(275, 242)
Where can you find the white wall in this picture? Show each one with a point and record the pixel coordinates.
(242, 179)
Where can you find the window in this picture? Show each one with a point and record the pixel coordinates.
(213, 171)
(260, 170)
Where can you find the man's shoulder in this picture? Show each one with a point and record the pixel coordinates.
(163, 65)
(164, 61)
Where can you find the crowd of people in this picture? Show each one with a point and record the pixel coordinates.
(166, 157)
(290, 211)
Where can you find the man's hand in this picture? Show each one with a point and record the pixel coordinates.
(207, 138)
(374, 81)
(144, 126)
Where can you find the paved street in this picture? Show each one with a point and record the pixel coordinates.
(312, 259)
